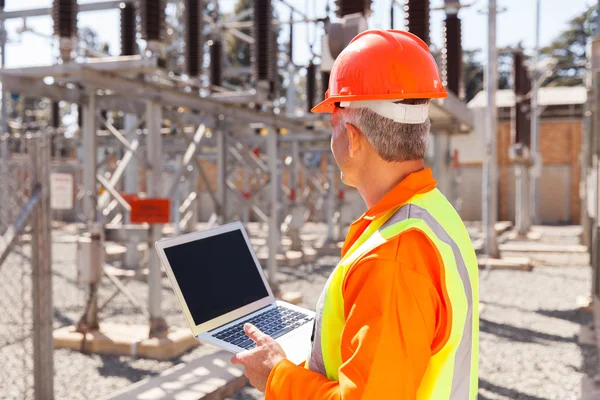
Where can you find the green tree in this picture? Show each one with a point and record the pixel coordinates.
(569, 49)
(474, 70)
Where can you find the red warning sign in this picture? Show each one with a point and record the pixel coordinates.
(151, 211)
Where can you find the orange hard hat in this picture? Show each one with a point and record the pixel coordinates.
(383, 66)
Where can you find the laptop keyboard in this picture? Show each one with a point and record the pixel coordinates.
(275, 323)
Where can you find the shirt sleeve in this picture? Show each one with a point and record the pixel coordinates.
(392, 320)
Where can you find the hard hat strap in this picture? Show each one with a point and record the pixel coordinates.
(398, 112)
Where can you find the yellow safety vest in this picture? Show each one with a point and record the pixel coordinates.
(452, 372)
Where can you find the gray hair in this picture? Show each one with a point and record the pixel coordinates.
(393, 141)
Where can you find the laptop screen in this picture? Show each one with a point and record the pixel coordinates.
(216, 275)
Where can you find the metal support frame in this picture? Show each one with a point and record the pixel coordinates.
(41, 260)
(43, 11)
(158, 325)
(441, 161)
(89, 320)
(490, 167)
(131, 186)
(222, 212)
(535, 117)
(274, 240)
(330, 202)
(522, 188)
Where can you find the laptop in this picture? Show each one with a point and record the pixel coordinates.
(221, 286)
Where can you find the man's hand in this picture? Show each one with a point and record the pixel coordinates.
(259, 361)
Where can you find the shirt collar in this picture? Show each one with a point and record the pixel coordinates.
(415, 183)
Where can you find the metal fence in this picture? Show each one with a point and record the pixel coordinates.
(25, 275)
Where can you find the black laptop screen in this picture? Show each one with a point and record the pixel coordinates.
(216, 275)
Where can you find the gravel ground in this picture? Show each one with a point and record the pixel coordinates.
(529, 328)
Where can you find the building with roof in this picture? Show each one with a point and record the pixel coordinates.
(561, 132)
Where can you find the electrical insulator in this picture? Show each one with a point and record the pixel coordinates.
(416, 18)
(216, 58)
(54, 114)
(128, 32)
(194, 42)
(262, 50)
(64, 16)
(274, 70)
(347, 7)
(520, 113)
(311, 85)
(452, 64)
(80, 116)
(324, 83)
(153, 19)
(291, 46)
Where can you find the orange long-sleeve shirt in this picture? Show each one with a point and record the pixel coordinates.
(397, 315)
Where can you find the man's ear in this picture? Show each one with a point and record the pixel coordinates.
(355, 137)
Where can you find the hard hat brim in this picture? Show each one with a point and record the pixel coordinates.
(328, 105)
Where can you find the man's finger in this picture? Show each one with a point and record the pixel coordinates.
(255, 334)
(235, 360)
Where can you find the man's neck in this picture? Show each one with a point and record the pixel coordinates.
(382, 178)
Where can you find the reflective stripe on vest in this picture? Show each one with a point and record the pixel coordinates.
(452, 371)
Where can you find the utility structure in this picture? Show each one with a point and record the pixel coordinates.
(520, 149)
(169, 127)
(452, 63)
(64, 15)
(416, 18)
(490, 166)
(194, 40)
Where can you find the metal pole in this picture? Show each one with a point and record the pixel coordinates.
(131, 183)
(535, 128)
(330, 202)
(154, 122)
(90, 155)
(274, 212)
(522, 212)
(295, 225)
(290, 101)
(193, 188)
(246, 183)
(41, 259)
(490, 180)
(92, 216)
(3, 111)
(222, 174)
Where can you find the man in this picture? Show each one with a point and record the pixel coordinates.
(398, 318)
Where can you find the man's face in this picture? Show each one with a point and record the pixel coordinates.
(340, 148)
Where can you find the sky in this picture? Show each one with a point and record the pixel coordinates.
(516, 23)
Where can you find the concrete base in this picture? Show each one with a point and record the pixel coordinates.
(511, 263)
(263, 259)
(584, 304)
(531, 235)
(309, 239)
(587, 336)
(309, 255)
(291, 297)
(293, 258)
(542, 248)
(590, 388)
(330, 249)
(502, 226)
(211, 377)
(126, 340)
